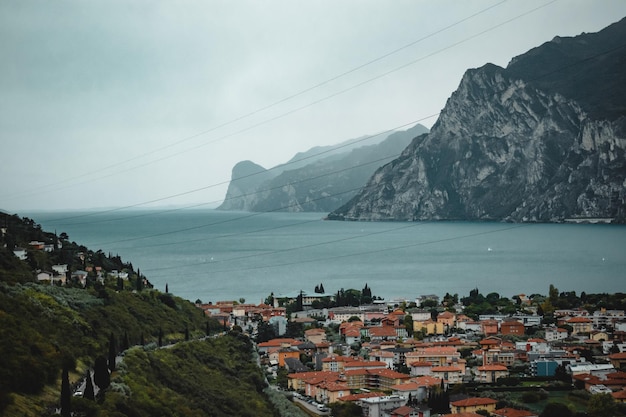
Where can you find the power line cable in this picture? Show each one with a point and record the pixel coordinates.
(316, 155)
(298, 94)
(254, 214)
(583, 60)
(370, 252)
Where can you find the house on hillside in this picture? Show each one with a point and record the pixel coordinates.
(618, 360)
(411, 411)
(382, 333)
(512, 412)
(580, 325)
(315, 335)
(474, 404)
(450, 374)
(44, 276)
(489, 374)
(380, 406)
(21, 253)
(554, 334)
(512, 327)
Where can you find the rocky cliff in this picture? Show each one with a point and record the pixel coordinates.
(542, 140)
(320, 179)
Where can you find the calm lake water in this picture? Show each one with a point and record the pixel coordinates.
(212, 255)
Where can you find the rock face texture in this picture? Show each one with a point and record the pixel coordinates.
(543, 140)
(318, 180)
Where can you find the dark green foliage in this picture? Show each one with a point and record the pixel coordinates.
(601, 405)
(265, 332)
(12, 269)
(66, 394)
(89, 391)
(101, 376)
(168, 300)
(112, 352)
(294, 330)
(530, 397)
(439, 400)
(347, 409)
(366, 295)
(45, 326)
(556, 410)
(216, 377)
(281, 377)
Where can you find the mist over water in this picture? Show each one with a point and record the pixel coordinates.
(212, 255)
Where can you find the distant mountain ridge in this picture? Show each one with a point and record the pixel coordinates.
(318, 180)
(542, 140)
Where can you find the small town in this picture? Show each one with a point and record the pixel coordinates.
(432, 356)
(352, 353)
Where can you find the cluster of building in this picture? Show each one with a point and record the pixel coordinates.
(377, 365)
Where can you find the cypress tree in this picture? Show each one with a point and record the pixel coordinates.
(89, 391)
(208, 328)
(139, 282)
(160, 336)
(66, 395)
(167, 290)
(186, 333)
(112, 352)
(125, 342)
(101, 376)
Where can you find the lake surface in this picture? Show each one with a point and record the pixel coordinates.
(212, 255)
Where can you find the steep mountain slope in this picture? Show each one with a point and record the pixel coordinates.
(45, 329)
(543, 140)
(309, 182)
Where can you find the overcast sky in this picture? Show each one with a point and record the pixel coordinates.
(151, 103)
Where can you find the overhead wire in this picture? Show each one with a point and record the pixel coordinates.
(345, 255)
(583, 60)
(595, 56)
(407, 226)
(134, 167)
(310, 104)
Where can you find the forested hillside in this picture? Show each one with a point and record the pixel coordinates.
(81, 328)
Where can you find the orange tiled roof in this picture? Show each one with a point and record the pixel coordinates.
(426, 381)
(512, 412)
(619, 395)
(356, 397)
(365, 364)
(409, 386)
(312, 374)
(278, 342)
(472, 402)
(579, 320)
(382, 331)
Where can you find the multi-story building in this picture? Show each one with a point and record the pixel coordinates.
(489, 374)
(437, 356)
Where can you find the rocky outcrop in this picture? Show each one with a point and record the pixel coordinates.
(509, 146)
(318, 180)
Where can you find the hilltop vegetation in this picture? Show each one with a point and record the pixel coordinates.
(215, 377)
(49, 328)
